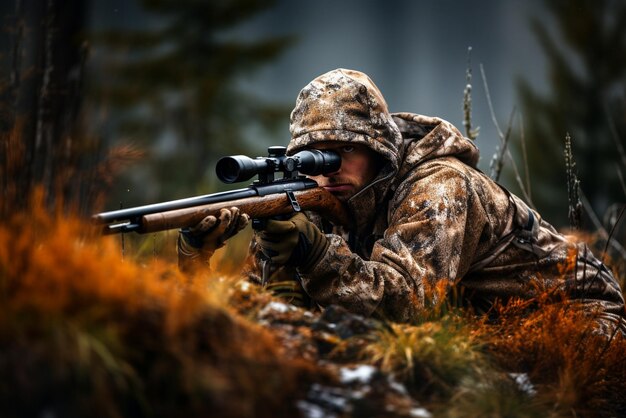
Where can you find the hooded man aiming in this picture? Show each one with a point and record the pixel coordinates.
(425, 218)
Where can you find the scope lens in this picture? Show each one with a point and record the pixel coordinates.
(238, 168)
(227, 169)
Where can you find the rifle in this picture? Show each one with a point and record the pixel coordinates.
(265, 197)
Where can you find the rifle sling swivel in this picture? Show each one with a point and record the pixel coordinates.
(293, 201)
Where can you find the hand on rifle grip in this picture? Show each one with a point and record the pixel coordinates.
(295, 241)
(211, 233)
(260, 224)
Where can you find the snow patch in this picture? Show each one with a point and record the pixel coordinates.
(310, 410)
(524, 383)
(361, 374)
(277, 307)
(420, 413)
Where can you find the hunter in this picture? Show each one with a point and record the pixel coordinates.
(426, 218)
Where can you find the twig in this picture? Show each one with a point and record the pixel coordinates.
(519, 181)
(573, 186)
(471, 133)
(599, 227)
(498, 158)
(493, 114)
(524, 154)
(613, 229)
(621, 177)
(501, 135)
(610, 215)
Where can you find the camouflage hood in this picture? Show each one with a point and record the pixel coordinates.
(426, 138)
(345, 105)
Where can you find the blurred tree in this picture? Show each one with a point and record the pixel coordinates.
(587, 73)
(40, 100)
(173, 89)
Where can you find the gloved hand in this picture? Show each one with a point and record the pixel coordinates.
(199, 242)
(296, 242)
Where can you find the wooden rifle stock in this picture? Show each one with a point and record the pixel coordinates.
(317, 200)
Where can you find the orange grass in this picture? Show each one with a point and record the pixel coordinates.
(84, 332)
(576, 371)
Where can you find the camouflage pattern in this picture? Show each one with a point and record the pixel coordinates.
(431, 219)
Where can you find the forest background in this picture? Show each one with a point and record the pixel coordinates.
(173, 86)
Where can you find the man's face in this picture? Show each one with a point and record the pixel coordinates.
(359, 166)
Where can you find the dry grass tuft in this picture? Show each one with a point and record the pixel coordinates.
(432, 358)
(575, 370)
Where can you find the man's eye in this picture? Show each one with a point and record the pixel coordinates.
(347, 149)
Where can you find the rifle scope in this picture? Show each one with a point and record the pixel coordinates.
(311, 162)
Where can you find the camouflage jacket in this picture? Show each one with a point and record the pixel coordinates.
(432, 220)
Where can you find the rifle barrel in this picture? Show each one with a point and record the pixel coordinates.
(139, 211)
(130, 219)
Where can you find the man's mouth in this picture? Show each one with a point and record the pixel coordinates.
(338, 188)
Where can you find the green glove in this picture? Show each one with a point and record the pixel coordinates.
(295, 242)
(199, 242)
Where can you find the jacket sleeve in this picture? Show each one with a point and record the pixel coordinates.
(429, 242)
